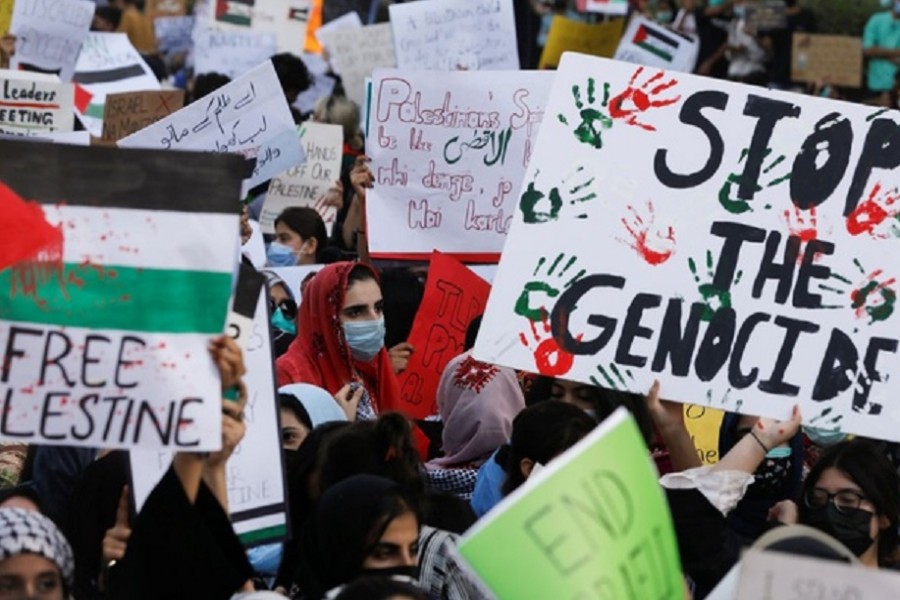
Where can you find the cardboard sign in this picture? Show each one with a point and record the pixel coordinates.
(174, 34)
(454, 296)
(49, 35)
(750, 274)
(606, 7)
(455, 35)
(650, 44)
(104, 345)
(355, 53)
(167, 8)
(127, 113)
(781, 576)
(232, 53)
(567, 35)
(34, 103)
(306, 184)
(249, 116)
(448, 153)
(108, 64)
(594, 523)
(256, 490)
(831, 59)
(767, 15)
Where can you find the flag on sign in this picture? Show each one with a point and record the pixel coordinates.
(656, 41)
(647, 43)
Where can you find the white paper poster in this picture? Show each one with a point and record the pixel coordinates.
(249, 116)
(231, 53)
(455, 35)
(650, 44)
(356, 53)
(34, 103)
(307, 184)
(287, 19)
(448, 154)
(174, 34)
(751, 273)
(607, 7)
(49, 34)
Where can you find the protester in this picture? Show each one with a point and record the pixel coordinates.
(283, 311)
(303, 408)
(137, 25)
(881, 42)
(35, 558)
(300, 238)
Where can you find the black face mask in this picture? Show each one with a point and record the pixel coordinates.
(281, 340)
(771, 476)
(850, 527)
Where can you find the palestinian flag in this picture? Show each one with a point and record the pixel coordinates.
(116, 269)
(657, 41)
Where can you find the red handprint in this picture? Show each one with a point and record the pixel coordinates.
(641, 98)
(869, 216)
(799, 225)
(549, 358)
(654, 246)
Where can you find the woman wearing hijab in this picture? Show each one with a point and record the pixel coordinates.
(477, 403)
(35, 558)
(303, 408)
(340, 341)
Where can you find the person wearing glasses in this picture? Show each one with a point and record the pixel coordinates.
(282, 313)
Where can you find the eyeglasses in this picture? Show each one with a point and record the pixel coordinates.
(844, 500)
(288, 307)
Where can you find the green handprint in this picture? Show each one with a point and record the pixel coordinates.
(738, 206)
(593, 122)
(532, 198)
(523, 305)
(714, 298)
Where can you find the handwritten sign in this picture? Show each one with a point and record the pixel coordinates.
(49, 35)
(130, 112)
(648, 43)
(348, 20)
(454, 296)
(448, 153)
(34, 103)
(749, 276)
(286, 19)
(455, 35)
(255, 480)
(98, 349)
(231, 53)
(355, 53)
(568, 35)
(306, 184)
(594, 523)
(606, 7)
(249, 116)
(831, 59)
(108, 64)
(174, 34)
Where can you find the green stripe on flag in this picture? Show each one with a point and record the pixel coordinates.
(114, 297)
(94, 110)
(654, 50)
(262, 535)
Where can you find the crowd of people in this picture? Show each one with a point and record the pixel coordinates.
(378, 501)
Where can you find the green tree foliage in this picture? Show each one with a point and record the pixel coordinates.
(846, 17)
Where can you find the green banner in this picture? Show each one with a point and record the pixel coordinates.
(593, 524)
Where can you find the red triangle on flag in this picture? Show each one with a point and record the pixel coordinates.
(641, 35)
(82, 98)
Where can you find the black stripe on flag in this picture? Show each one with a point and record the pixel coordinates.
(663, 37)
(193, 182)
(87, 78)
(255, 513)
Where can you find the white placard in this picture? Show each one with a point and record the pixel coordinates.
(732, 242)
(650, 44)
(287, 19)
(306, 184)
(448, 154)
(249, 116)
(34, 103)
(356, 53)
(232, 53)
(348, 20)
(49, 34)
(455, 35)
(606, 7)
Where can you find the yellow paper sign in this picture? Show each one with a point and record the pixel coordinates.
(567, 35)
(6, 8)
(703, 424)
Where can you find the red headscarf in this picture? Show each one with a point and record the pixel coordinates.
(320, 355)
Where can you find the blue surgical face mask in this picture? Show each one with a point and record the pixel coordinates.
(665, 16)
(365, 338)
(279, 321)
(824, 437)
(280, 255)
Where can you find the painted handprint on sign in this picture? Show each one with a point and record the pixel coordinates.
(637, 100)
(877, 216)
(593, 121)
(654, 245)
(540, 207)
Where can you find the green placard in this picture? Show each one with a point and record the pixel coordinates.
(594, 525)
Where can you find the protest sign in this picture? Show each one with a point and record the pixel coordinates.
(105, 346)
(256, 491)
(108, 64)
(455, 35)
(594, 523)
(232, 53)
(322, 84)
(750, 274)
(174, 34)
(454, 296)
(286, 19)
(167, 8)
(333, 10)
(49, 35)
(783, 576)
(34, 103)
(827, 59)
(249, 116)
(767, 15)
(6, 9)
(349, 20)
(355, 53)
(293, 277)
(606, 7)
(448, 153)
(306, 184)
(127, 113)
(567, 35)
(703, 424)
(650, 44)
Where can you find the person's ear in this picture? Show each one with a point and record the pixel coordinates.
(310, 247)
(526, 465)
(883, 522)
